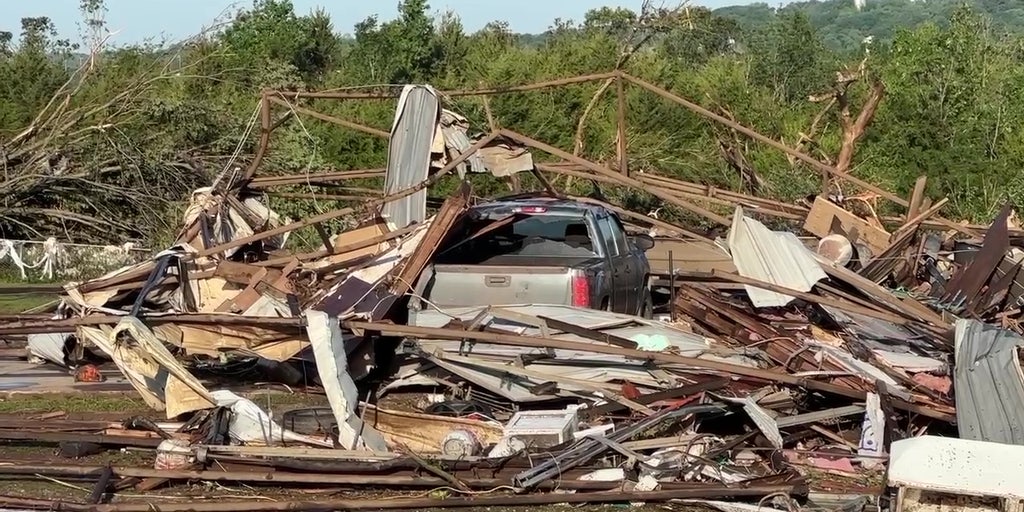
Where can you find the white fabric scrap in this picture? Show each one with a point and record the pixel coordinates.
(50, 257)
(8, 250)
(872, 437)
(251, 425)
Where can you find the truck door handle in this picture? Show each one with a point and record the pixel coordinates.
(497, 281)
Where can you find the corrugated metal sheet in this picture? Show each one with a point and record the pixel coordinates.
(626, 326)
(774, 257)
(453, 126)
(412, 136)
(989, 385)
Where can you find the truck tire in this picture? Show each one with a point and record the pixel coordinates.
(647, 306)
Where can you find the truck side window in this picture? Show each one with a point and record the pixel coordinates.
(620, 234)
(614, 238)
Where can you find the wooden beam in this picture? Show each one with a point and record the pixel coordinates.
(346, 211)
(624, 180)
(325, 237)
(620, 91)
(917, 197)
(264, 142)
(331, 119)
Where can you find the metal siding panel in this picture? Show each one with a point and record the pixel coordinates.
(409, 153)
(989, 386)
(773, 257)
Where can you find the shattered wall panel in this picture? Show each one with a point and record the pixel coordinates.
(164, 384)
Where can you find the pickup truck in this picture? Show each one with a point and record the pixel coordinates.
(538, 250)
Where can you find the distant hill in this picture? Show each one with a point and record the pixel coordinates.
(843, 27)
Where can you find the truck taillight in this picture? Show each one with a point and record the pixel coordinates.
(580, 290)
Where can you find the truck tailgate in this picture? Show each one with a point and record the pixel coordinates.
(484, 285)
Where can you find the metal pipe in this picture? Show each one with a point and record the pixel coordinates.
(394, 93)
(671, 287)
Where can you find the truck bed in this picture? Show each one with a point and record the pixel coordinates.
(544, 281)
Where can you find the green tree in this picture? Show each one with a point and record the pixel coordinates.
(791, 58)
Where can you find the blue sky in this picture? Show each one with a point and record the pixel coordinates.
(138, 20)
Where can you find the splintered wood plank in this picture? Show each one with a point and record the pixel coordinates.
(825, 217)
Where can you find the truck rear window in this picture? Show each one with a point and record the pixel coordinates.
(536, 236)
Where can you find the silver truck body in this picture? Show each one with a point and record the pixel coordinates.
(537, 251)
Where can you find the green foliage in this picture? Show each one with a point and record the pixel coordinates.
(157, 122)
(843, 28)
(271, 35)
(791, 59)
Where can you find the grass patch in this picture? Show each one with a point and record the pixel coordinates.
(12, 304)
(130, 404)
(72, 402)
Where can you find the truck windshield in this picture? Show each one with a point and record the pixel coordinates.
(537, 236)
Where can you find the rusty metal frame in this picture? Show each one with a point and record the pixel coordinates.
(685, 195)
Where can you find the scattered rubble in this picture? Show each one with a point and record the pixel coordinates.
(782, 370)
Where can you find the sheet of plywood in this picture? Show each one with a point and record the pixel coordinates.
(348, 238)
(825, 217)
(212, 340)
(689, 256)
(212, 292)
(282, 350)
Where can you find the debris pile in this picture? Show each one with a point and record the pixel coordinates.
(783, 367)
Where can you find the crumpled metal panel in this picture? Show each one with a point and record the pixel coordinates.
(474, 362)
(770, 256)
(409, 153)
(989, 386)
(883, 335)
(625, 326)
(453, 126)
(964, 290)
(521, 388)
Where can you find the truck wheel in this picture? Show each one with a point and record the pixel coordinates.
(647, 307)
